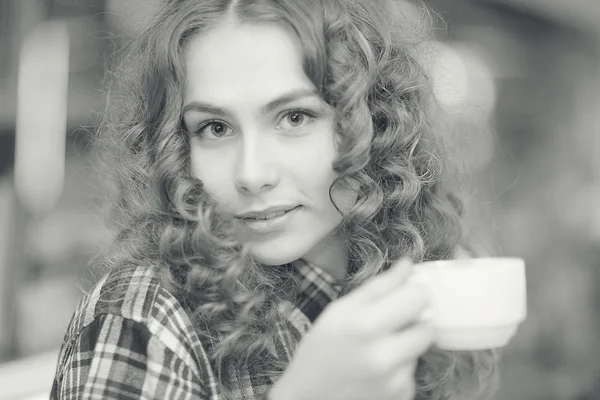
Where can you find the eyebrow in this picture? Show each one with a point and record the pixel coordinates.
(270, 106)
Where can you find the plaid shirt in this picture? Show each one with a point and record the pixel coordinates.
(143, 345)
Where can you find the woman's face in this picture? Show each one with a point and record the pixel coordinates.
(263, 141)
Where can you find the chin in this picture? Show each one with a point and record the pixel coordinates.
(273, 258)
(273, 255)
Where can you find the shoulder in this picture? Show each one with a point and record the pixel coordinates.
(133, 293)
(126, 323)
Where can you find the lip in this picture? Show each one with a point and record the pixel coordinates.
(270, 225)
(264, 212)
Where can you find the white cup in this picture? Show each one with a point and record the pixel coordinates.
(476, 303)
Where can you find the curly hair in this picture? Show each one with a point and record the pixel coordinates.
(362, 56)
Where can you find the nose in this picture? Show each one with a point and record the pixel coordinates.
(256, 171)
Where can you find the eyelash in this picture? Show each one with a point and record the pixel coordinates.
(206, 124)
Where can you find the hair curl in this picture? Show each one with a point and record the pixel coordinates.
(361, 56)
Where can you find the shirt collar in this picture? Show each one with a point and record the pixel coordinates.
(317, 288)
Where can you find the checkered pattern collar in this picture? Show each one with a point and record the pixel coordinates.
(317, 288)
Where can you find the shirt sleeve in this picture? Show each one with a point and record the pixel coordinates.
(118, 358)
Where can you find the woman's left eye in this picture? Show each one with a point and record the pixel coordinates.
(295, 119)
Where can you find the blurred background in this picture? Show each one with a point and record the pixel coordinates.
(530, 69)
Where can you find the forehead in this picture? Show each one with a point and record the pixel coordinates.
(242, 60)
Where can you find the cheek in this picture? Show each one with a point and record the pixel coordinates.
(213, 172)
(314, 171)
(317, 177)
(345, 196)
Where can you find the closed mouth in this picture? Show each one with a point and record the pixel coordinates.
(268, 216)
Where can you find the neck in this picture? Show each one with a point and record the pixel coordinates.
(331, 254)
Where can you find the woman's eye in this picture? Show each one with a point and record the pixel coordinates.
(296, 119)
(212, 130)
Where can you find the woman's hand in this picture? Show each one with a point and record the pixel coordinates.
(364, 346)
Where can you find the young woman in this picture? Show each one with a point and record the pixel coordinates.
(271, 161)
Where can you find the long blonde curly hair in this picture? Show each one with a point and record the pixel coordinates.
(361, 56)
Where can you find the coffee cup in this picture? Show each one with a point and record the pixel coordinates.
(475, 303)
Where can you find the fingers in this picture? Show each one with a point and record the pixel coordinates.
(381, 285)
(403, 307)
(403, 383)
(392, 352)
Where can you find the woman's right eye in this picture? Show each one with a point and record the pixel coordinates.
(213, 130)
